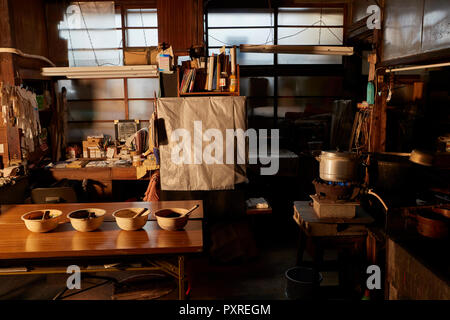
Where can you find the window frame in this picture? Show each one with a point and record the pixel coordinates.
(278, 70)
(120, 8)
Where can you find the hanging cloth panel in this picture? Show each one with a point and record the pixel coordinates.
(219, 113)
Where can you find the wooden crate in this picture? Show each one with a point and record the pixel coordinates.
(330, 209)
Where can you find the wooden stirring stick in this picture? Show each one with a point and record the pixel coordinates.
(46, 215)
(190, 210)
(140, 213)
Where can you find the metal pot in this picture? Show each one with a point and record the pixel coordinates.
(338, 166)
(430, 225)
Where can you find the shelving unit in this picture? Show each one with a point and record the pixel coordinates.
(210, 93)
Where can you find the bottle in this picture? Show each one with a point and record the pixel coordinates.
(233, 79)
(233, 83)
(223, 81)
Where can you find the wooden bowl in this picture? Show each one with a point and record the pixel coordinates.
(169, 219)
(34, 223)
(125, 220)
(82, 223)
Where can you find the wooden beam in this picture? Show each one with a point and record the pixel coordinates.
(6, 41)
(297, 49)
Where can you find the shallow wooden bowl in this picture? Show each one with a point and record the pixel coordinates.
(125, 220)
(84, 224)
(34, 223)
(166, 222)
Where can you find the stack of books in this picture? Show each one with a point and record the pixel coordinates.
(187, 84)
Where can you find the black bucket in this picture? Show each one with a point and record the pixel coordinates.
(302, 283)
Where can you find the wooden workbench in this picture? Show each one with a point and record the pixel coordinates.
(20, 247)
(103, 176)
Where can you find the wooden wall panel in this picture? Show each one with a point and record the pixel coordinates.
(58, 53)
(7, 41)
(180, 23)
(30, 30)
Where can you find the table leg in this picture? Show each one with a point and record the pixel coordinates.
(181, 276)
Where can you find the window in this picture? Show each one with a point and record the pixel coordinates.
(141, 27)
(97, 33)
(295, 26)
(274, 90)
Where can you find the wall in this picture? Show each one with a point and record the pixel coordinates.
(180, 23)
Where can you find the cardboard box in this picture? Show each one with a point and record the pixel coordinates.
(94, 140)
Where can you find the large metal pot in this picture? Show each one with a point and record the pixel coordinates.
(338, 166)
(392, 175)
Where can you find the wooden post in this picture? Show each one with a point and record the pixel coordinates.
(6, 41)
(6, 70)
(378, 121)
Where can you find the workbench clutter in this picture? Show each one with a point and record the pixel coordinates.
(19, 122)
(132, 146)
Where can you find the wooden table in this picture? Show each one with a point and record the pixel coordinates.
(20, 247)
(103, 176)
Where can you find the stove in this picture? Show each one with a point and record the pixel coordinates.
(336, 191)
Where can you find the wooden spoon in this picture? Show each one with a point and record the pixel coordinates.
(140, 213)
(190, 211)
(46, 215)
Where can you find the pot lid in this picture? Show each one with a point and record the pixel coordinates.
(339, 154)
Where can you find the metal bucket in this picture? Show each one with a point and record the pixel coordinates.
(302, 283)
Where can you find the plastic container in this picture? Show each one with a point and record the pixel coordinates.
(302, 283)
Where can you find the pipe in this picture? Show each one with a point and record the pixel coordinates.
(446, 64)
(370, 191)
(25, 55)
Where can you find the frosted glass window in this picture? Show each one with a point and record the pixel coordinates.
(309, 86)
(80, 131)
(309, 16)
(230, 37)
(142, 18)
(142, 88)
(93, 89)
(249, 58)
(256, 86)
(101, 39)
(96, 110)
(238, 19)
(140, 109)
(89, 26)
(310, 36)
(86, 58)
(308, 59)
(318, 103)
(142, 37)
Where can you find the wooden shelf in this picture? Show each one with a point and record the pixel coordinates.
(210, 93)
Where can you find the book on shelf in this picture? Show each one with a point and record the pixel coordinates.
(187, 83)
(214, 73)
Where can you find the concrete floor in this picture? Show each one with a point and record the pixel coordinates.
(258, 277)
